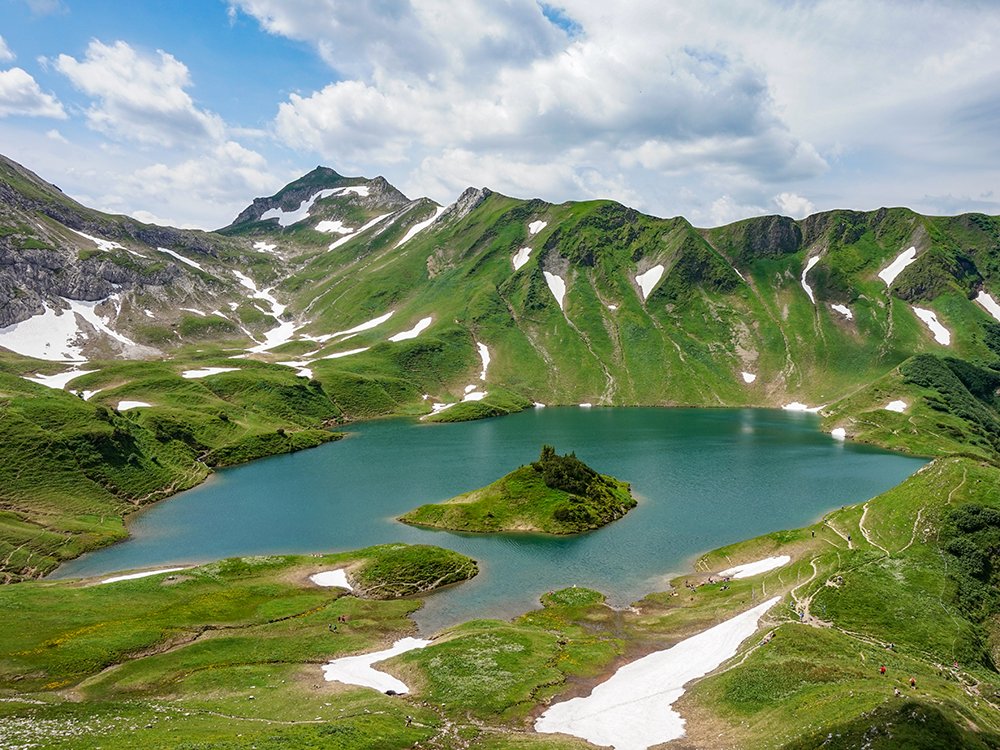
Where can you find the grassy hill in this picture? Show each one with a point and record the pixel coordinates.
(553, 495)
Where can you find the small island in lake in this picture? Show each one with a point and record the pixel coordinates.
(553, 495)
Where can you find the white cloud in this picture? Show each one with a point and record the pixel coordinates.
(5, 53)
(140, 98)
(456, 169)
(412, 40)
(725, 210)
(624, 97)
(223, 179)
(56, 136)
(45, 7)
(20, 95)
(794, 205)
(717, 99)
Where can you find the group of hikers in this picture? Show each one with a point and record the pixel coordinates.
(340, 618)
(913, 682)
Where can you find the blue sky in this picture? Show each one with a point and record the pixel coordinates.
(183, 113)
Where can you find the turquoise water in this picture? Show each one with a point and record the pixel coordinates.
(703, 477)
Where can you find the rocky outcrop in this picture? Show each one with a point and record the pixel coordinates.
(467, 202)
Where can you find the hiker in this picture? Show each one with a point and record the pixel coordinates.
(897, 693)
(814, 533)
(882, 670)
(913, 683)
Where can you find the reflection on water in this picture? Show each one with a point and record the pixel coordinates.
(703, 477)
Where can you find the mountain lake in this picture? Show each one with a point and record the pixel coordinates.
(703, 478)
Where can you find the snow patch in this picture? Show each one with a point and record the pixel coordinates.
(105, 245)
(521, 257)
(338, 355)
(150, 315)
(941, 334)
(123, 405)
(57, 335)
(299, 368)
(264, 247)
(749, 377)
(756, 568)
(484, 355)
(557, 286)
(350, 237)
(838, 433)
(633, 710)
(144, 574)
(647, 281)
(276, 336)
(537, 226)
(989, 304)
(192, 310)
(357, 670)
(812, 262)
(367, 326)
(181, 258)
(361, 190)
(905, 258)
(612, 307)
(333, 226)
(896, 406)
(59, 380)
(287, 218)
(844, 310)
(413, 332)
(416, 228)
(585, 406)
(796, 406)
(336, 577)
(87, 394)
(204, 372)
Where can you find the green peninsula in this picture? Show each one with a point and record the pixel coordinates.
(553, 495)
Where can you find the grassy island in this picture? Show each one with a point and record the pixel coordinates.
(553, 495)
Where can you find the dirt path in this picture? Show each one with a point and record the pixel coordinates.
(864, 533)
(965, 473)
(838, 532)
(913, 536)
(803, 604)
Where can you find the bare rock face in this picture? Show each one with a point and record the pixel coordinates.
(470, 199)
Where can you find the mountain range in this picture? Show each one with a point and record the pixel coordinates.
(135, 358)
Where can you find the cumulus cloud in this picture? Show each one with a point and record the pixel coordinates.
(725, 210)
(559, 94)
(412, 40)
(20, 95)
(220, 180)
(5, 53)
(140, 98)
(794, 205)
(456, 169)
(696, 95)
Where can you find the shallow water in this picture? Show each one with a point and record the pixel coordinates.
(703, 477)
